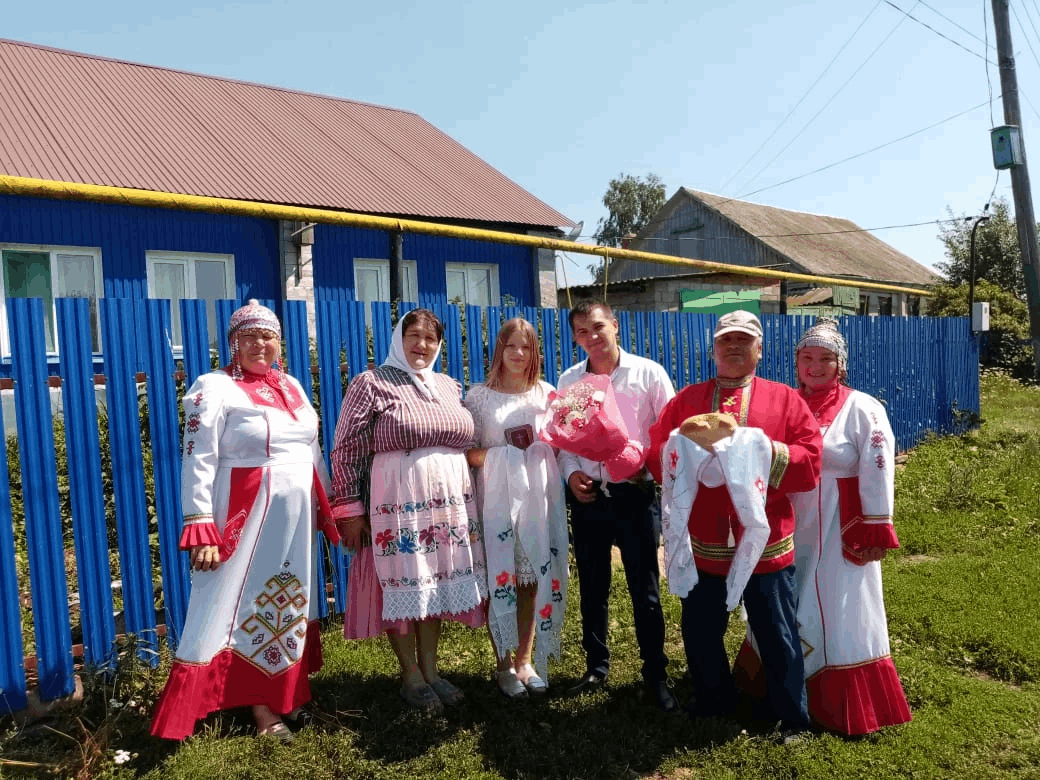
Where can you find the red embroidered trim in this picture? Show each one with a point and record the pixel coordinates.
(245, 487)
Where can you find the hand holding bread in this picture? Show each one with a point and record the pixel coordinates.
(707, 429)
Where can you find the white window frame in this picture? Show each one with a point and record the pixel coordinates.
(382, 267)
(57, 284)
(188, 261)
(495, 293)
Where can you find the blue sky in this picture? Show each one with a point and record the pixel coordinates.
(563, 96)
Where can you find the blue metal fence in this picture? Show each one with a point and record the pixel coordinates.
(925, 370)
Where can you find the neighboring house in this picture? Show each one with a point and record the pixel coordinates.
(710, 227)
(79, 118)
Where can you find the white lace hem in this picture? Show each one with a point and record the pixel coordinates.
(456, 598)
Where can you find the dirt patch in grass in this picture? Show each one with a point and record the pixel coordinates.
(920, 558)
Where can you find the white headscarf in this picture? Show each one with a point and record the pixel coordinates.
(420, 377)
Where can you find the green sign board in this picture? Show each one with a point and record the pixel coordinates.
(711, 302)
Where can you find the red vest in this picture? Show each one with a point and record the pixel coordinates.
(785, 418)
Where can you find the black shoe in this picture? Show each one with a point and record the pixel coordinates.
(660, 694)
(590, 683)
(298, 719)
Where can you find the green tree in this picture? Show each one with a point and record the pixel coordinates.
(997, 256)
(1005, 345)
(631, 202)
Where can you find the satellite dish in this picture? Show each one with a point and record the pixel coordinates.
(575, 231)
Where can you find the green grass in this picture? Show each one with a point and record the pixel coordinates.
(964, 619)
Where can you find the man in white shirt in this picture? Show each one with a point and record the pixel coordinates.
(625, 513)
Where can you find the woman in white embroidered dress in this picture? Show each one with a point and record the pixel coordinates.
(844, 528)
(523, 512)
(253, 492)
(403, 500)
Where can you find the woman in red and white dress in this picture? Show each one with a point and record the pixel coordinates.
(844, 528)
(253, 488)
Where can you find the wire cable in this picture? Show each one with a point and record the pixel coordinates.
(944, 37)
(860, 154)
(823, 108)
(940, 14)
(801, 235)
(1025, 35)
(794, 108)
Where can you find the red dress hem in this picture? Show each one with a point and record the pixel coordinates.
(229, 680)
(847, 700)
(857, 700)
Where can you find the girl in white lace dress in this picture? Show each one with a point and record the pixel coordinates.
(520, 495)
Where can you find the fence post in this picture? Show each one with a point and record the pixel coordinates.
(86, 489)
(43, 533)
(166, 465)
(119, 323)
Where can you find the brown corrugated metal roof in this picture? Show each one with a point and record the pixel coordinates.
(75, 117)
(825, 246)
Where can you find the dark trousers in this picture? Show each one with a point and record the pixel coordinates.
(771, 603)
(631, 519)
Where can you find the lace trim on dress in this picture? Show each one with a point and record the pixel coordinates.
(453, 598)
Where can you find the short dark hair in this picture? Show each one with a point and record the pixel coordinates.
(584, 309)
(423, 317)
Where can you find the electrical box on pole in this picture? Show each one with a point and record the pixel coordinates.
(1007, 147)
(980, 317)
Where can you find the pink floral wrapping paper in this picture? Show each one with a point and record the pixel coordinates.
(585, 420)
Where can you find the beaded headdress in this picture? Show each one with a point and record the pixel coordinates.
(252, 316)
(824, 333)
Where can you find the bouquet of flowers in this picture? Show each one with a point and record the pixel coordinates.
(585, 420)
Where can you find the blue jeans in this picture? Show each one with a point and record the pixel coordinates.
(771, 603)
(631, 519)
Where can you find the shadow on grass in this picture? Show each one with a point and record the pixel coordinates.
(610, 733)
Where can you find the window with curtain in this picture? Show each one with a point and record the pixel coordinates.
(175, 276)
(48, 273)
(474, 284)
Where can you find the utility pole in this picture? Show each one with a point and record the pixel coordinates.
(1024, 218)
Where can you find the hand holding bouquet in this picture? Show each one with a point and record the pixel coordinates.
(585, 420)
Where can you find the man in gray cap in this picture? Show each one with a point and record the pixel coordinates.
(770, 596)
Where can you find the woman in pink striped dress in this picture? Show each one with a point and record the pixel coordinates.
(403, 500)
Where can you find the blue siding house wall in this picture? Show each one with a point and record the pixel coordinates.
(336, 247)
(126, 233)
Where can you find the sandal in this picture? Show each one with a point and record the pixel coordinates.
(422, 697)
(510, 685)
(533, 683)
(446, 692)
(278, 730)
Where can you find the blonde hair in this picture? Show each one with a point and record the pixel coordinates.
(534, 368)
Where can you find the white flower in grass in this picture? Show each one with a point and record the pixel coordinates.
(115, 704)
(122, 756)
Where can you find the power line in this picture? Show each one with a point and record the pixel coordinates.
(861, 154)
(801, 235)
(1025, 35)
(802, 98)
(944, 37)
(962, 29)
(823, 108)
(1032, 51)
